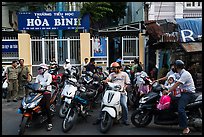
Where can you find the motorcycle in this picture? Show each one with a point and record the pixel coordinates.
(67, 94)
(31, 110)
(142, 85)
(110, 107)
(93, 82)
(142, 116)
(78, 107)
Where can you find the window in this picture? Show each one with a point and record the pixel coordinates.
(193, 5)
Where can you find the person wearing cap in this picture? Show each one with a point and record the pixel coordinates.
(44, 78)
(67, 65)
(187, 86)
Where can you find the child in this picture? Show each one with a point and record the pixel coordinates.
(171, 80)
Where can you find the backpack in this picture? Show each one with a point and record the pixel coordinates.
(164, 102)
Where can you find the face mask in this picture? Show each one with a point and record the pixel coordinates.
(173, 69)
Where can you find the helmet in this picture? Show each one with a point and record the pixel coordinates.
(115, 64)
(179, 64)
(67, 60)
(44, 66)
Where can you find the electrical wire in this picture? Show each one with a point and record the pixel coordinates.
(159, 11)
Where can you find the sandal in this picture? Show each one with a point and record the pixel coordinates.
(186, 131)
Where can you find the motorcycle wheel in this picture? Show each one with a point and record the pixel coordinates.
(63, 110)
(106, 122)
(24, 121)
(69, 120)
(141, 118)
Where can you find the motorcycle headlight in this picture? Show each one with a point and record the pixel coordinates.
(143, 100)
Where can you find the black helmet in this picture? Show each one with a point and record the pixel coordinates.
(179, 64)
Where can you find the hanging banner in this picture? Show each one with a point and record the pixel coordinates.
(99, 47)
(52, 21)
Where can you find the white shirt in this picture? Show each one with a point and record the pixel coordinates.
(67, 66)
(45, 80)
(121, 78)
(187, 81)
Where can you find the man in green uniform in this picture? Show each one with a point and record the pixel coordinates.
(12, 77)
(23, 77)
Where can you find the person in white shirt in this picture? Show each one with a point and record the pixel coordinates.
(84, 64)
(186, 84)
(121, 78)
(67, 66)
(44, 78)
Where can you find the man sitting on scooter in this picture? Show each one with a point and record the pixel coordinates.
(119, 77)
(186, 84)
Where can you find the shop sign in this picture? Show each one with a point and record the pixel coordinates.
(190, 29)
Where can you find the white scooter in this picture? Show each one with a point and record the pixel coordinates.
(110, 107)
(67, 95)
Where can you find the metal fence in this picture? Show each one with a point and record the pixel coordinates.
(43, 50)
(130, 48)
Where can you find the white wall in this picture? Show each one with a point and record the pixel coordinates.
(5, 16)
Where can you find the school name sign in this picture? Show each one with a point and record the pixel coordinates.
(52, 21)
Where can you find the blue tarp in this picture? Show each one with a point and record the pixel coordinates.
(190, 29)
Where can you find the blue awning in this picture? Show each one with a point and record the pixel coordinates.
(190, 29)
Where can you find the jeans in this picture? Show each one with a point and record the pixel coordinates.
(123, 102)
(182, 103)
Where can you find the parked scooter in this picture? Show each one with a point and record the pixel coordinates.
(67, 95)
(31, 110)
(143, 115)
(110, 107)
(78, 107)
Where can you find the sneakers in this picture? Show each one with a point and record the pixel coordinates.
(49, 128)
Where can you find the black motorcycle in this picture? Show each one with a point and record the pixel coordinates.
(78, 107)
(147, 109)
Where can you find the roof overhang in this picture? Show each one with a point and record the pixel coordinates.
(192, 46)
(122, 28)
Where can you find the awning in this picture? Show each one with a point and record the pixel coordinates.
(192, 46)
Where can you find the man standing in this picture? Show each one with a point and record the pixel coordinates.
(12, 77)
(23, 77)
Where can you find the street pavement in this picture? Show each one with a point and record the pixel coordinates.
(11, 120)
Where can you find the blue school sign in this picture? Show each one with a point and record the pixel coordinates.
(52, 21)
(9, 46)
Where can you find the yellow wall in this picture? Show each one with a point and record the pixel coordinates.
(85, 46)
(24, 49)
(141, 49)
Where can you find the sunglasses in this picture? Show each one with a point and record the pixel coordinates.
(113, 68)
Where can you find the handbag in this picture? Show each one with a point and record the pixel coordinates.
(5, 84)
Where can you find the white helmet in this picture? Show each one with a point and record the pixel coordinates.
(44, 66)
(67, 60)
